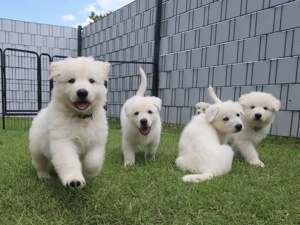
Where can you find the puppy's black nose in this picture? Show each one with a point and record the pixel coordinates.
(144, 122)
(82, 93)
(257, 115)
(238, 127)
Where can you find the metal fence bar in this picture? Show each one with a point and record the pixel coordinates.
(7, 111)
(49, 60)
(132, 62)
(37, 75)
(16, 110)
(2, 84)
(79, 40)
(157, 38)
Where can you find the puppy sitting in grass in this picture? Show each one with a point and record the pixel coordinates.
(259, 113)
(71, 132)
(201, 107)
(201, 146)
(141, 124)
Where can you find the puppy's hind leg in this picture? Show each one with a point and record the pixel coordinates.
(196, 178)
(93, 161)
(151, 151)
(41, 164)
(129, 151)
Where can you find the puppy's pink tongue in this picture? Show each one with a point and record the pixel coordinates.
(82, 105)
(145, 130)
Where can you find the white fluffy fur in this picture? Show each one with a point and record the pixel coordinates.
(256, 129)
(134, 133)
(201, 147)
(75, 146)
(201, 107)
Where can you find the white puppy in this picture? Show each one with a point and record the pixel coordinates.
(259, 112)
(141, 124)
(201, 146)
(201, 107)
(71, 132)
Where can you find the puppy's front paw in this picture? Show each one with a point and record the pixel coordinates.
(43, 175)
(256, 162)
(128, 163)
(75, 184)
(150, 156)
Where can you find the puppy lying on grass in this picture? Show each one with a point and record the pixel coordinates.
(201, 147)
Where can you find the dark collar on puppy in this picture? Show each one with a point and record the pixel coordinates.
(256, 129)
(84, 116)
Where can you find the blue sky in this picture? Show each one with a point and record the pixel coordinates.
(69, 13)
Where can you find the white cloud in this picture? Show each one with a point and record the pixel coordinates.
(89, 8)
(92, 8)
(102, 7)
(68, 17)
(86, 22)
(109, 5)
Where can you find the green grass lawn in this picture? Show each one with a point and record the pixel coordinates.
(152, 192)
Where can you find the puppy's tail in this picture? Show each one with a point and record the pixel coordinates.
(142, 89)
(196, 178)
(212, 95)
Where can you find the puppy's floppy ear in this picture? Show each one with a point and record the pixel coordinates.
(56, 69)
(157, 102)
(239, 108)
(127, 111)
(276, 104)
(197, 105)
(211, 113)
(244, 99)
(104, 68)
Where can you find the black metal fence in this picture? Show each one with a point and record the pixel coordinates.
(25, 86)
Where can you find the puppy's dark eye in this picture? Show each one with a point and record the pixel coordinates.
(150, 112)
(203, 110)
(266, 108)
(92, 81)
(136, 113)
(226, 119)
(252, 107)
(238, 115)
(71, 81)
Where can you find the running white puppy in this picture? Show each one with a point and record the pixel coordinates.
(259, 113)
(141, 124)
(201, 146)
(201, 107)
(71, 132)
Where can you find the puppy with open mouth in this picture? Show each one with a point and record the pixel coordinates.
(141, 123)
(71, 132)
